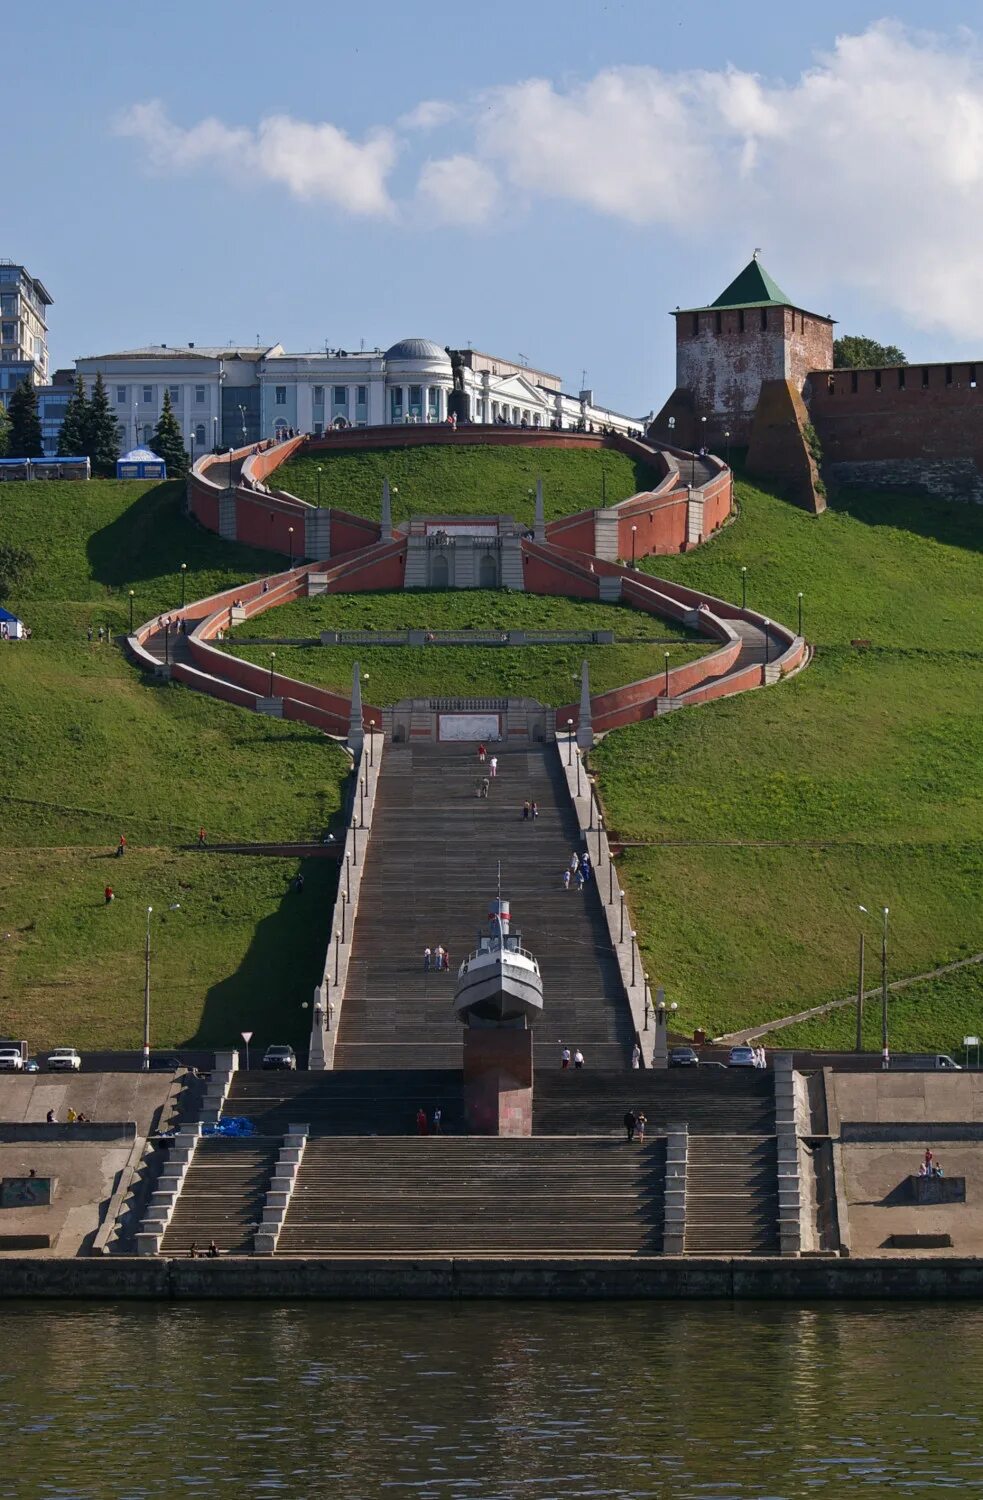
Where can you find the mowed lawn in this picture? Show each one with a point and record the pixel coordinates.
(550, 673)
(93, 748)
(773, 816)
(933, 1016)
(474, 480)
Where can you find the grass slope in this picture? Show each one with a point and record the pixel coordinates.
(93, 748)
(933, 1016)
(478, 480)
(866, 766)
(549, 673)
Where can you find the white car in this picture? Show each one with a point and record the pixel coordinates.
(64, 1060)
(742, 1057)
(11, 1060)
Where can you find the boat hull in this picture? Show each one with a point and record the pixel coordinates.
(499, 991)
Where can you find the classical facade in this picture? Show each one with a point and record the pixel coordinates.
(235, 395)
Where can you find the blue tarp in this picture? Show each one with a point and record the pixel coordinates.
(231, 1125)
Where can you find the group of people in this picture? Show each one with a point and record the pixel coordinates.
(567, 1057)
(436, 958)
(73, 1117)
(929, 1166)
(173, 622)
(211, 1253)
(492, 762)
(634, 1123)
(578, 872)
(104, 633)
(530, 810)
(431, 1126)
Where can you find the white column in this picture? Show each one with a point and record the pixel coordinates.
(305, 407)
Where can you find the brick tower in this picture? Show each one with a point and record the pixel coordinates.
(752, 333)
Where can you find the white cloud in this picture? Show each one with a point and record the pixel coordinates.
(314, 161)
(865, 172)
(428, 115)
(458, 190)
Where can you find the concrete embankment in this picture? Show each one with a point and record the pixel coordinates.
(115, 1277)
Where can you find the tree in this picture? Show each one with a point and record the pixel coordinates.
(167, 441)
(855, 352)
(25, 424)
(74, 435)
(4, 431)
(102, 431)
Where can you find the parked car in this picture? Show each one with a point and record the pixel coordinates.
(64, 1060)
(741, 1057)
(32, 1065)
(684, 1057)
(933, 1062)
(11, 1060)
(280, 1059)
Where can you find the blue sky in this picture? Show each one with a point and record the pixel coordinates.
(547, 179)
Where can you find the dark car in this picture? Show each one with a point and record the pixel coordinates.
(684, 1057)
(280, 1059)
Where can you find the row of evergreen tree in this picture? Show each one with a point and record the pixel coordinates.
(90, 429)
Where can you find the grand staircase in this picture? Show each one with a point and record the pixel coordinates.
(379, 1102)
(478, 1196)
(222, 1196)
(431, 868)
(732, 1195)
(708, 1101)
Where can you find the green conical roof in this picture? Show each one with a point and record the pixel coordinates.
(753, 288)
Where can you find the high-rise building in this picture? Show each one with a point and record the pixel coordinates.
(23, 321)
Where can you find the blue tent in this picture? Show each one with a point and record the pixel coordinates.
(140, 463)
(11, 629)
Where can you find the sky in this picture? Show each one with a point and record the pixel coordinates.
(545, 180)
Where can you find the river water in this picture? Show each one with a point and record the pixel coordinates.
(488, 1400)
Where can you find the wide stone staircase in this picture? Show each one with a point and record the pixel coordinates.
(351, 1103)
(431, 869)
(222, 1196)
(711, 1101)
(732, 1195)
(478, 1196)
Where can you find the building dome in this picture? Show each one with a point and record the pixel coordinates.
(418, 349)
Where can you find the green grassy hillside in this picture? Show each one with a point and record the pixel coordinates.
(933, 1016)
(93, 748)
(479, 480)
(549, 673)
(773, 816)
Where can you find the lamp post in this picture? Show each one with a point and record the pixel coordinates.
(885, 1048)
(167, 644)
(361, 803)
(860, 989)
(621, 897)
(242, 419)
(184, 579)
(290, 543)
(272, 660)
(344, 908)
(371, 747)
(744, 588)
(634, 949)
(671, 424)
(337, 951)
(569, 742)
(646, 978)
(767, 642)
(667, 673)
(610, 879)
(727, 441)
(175, 906)
(600, 831)
(799, 597)
(132, 592)
(231, 485)
(634, 531)
(348, 876)
(320, 470)
(215, 434)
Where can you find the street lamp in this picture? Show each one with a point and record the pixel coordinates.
(744, 588)
(667, 673)
(634, 949)
(860, 987)
(727, 441)
(799, 596)
(337, 947)
(600, 831)
(647, 1001)
(569, 742)
(621, 898)
(348, 876)
(242, 418)
(767, 642)
(132, 592)
(634, 530)
(231, 485)
(344, 908)
(184, 576)
(272, 660)
(167, 644)
(290, 543)
(174, 906)
(215, 434)
(320, 471)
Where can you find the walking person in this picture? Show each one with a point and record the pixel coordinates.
(426, 960)
(421, 1121)
(110, 895)
(566, 880)
(526, 810)
(484, 786)
(580, 880)
(574, 861)
(436, 1121)
(636, 1056)
(629, 1124)
(482, 752)
(121, 846)
(640, 1124)
(565, 1059)
(535, 811)
(493, 767)
(578, 1059)
(202, 838)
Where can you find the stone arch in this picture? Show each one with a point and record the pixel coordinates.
(439, 572)
(488, 572)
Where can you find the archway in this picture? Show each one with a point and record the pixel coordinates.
(439, 572)
(488, 572)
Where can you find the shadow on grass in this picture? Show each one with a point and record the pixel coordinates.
(153, 538)
(279, 970)
(956, 523)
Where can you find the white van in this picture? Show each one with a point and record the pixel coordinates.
(930, 1062)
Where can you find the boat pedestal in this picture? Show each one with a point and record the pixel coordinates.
(498, 1080)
